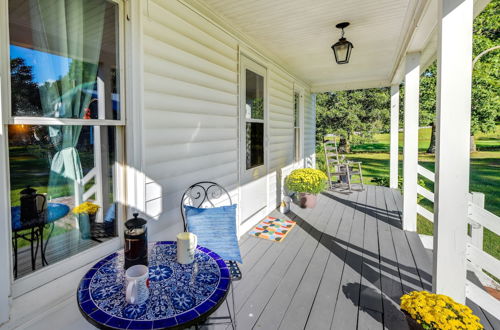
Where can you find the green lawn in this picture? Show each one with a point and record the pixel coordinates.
(30, 166)
(484, 173)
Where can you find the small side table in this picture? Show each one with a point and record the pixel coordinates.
(179, 295)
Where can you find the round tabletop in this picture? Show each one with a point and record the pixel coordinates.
(179, 295)
(55, 211)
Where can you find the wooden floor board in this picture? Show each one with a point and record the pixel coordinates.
(321, 314)
(345, 265)
(256, 302)
(422, 260)
(276, 307)
(259, 272)
(300, 306)
(408, 272)
(346, 310)
(370, 313)
(389, 273)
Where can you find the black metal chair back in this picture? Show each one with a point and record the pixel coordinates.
(204, 194)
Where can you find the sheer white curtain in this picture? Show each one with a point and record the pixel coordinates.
(68, 35)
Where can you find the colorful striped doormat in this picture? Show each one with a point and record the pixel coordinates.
(273, 229)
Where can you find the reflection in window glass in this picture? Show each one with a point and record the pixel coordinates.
(254, 95)
(52, 170)
(64, 58)
(255, 144)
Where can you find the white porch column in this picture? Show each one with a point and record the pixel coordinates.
(410, 152)
(452, 146)
(393, 182)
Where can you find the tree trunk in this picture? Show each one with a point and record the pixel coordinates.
(432, 144)
(472, 144)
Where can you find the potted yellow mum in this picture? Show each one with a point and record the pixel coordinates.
(429, 311)
(86, 213)
(308, 183)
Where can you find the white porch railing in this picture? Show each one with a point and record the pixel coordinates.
(426, 193)
(477, 260)
(86, 179)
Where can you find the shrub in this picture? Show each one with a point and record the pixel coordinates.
(384, 181)
(306, 180)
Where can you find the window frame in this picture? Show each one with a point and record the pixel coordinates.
(298, 156)
(51, 272)
(247, 63)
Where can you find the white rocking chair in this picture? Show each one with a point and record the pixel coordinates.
(338, 167)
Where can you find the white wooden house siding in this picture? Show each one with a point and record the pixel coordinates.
(280, 129)
(190, 116)
(190, 108)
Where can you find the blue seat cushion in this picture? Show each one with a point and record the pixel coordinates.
(216, 229)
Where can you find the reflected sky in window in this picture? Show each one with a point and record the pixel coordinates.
(46, 66)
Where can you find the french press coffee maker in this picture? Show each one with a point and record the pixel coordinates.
(136, 242)
(32, 204)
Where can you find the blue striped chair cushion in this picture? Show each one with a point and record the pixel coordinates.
(216, 229)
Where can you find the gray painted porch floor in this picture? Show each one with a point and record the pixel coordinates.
(344, 266)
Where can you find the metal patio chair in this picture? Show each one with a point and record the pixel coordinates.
(338, 166)
(206, 194)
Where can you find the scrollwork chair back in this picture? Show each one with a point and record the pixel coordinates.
(206, 194)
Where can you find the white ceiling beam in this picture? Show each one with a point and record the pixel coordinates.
(331, 87)
(424, 38)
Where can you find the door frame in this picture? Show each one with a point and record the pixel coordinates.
(249, 62)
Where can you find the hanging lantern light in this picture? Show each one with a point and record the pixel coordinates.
(342, 48)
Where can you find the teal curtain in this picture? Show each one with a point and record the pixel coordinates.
(68, 35)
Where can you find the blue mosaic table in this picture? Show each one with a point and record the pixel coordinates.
(179, 295)
(55, 211)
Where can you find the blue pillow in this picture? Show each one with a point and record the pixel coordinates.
(216, 229)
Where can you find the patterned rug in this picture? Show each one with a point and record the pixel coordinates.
(273, 229)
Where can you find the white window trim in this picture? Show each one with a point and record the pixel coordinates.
(301, 91)
(51, 272)
(5, 234)
(248, 63)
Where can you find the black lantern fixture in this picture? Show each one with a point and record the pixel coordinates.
(342, 48)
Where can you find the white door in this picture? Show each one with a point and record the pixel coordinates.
(253, 142)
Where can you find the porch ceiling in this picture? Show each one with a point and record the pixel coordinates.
(299, 33)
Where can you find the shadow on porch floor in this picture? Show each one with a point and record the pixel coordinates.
(344, 266)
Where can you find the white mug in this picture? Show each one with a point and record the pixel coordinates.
(137, 284)
(186, 246)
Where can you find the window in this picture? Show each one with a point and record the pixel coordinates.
(254, 117)
(65, 132)
(296, 127)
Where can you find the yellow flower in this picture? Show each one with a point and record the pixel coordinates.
(86, 207)
(435, 311)
(307, 180)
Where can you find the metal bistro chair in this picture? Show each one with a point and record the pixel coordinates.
(206, 194)
(338, 166)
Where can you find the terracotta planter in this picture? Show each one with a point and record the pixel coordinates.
(307, 200)
(412, 324)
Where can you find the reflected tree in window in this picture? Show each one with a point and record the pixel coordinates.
(25, 94)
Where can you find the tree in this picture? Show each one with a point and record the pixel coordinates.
(25, 94)
(485, 78)
(352, 115)
(486, 72)
(427, 111)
